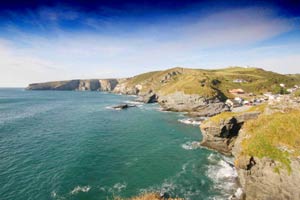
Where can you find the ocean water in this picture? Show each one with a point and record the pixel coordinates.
(70, 145)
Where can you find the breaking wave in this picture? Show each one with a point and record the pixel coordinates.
(190, 121)
(224, 175)
(78, 189)
(191, 145)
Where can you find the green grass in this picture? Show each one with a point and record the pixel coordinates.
(269, 132)
(222, 116)
(259, 108)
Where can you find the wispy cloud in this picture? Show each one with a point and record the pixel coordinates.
(58, 52)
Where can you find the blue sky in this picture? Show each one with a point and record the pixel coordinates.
(57, 40)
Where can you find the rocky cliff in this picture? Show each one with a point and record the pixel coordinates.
(266, 147)
(81, 85)
(264, 178)
(221, 135)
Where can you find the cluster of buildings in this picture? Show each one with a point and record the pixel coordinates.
(293, 89)
(248, 99)
(239, 101)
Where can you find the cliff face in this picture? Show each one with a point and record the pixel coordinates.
(82, 85)
(195, 104)
(221, 135)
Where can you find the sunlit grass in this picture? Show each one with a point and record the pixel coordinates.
(197, 81)
(275, 136)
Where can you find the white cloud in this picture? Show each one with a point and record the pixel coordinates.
(188, 42)
(16, 68)
(289, 64)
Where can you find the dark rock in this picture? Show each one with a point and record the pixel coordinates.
(123, 106)
(148, 98)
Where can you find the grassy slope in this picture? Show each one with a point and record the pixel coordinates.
(269, 133)
(213, 82)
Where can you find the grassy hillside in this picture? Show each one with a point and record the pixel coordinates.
(212, 82)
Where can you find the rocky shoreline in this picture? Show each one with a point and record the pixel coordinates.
(195, 105)
(224, 131)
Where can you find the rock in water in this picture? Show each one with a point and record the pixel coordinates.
(123, 106)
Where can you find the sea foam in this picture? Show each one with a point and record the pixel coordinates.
(191, 145)
(78, 189)
(190, 121)
(224, 175)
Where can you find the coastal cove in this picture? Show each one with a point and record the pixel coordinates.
(70, 145)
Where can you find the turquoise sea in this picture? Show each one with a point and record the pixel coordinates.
(70, 145)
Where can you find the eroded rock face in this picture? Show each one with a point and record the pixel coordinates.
(148, 98)
(108, 84)
(81, 85)
(56, 85)
(91, 85)
(179, 101)
(123, 88)
(260, 180)
(221, 135)
(210, 109)
(169, 76)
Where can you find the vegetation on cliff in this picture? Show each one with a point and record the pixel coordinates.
(225, 115)
(275, 136)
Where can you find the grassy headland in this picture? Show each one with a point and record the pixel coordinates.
(210, 83)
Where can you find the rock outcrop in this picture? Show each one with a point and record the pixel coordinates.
(90, 85)
(123, 106)
(148, 98)
(221, 135)
(81, 85)
(197, 105)
(123, 88)
(108, 84)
